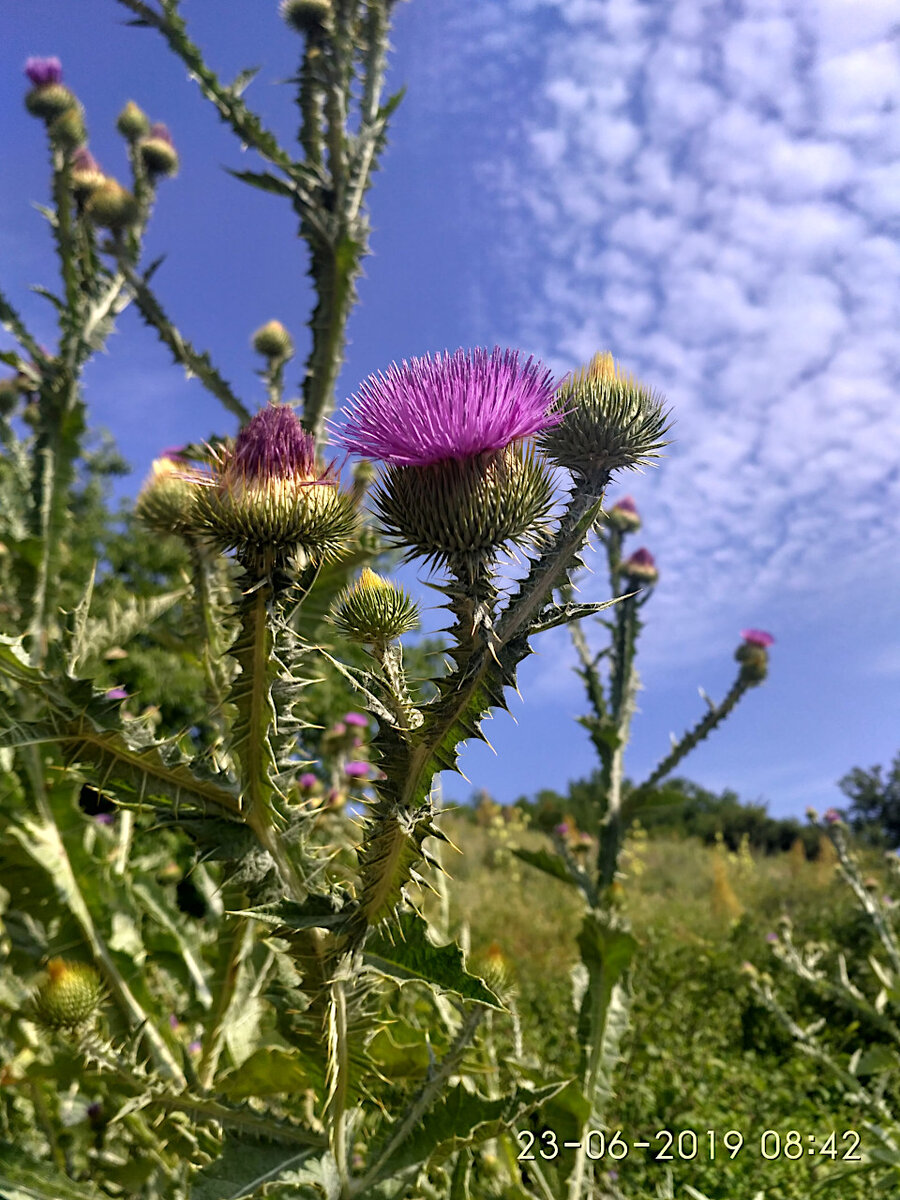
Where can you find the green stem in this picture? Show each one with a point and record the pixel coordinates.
(241, 945)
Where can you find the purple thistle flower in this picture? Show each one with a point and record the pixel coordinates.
(43, 71)
(158, 130)
(626, 504)
(273, 445)
(104, 818)
(175, 453)
(195, 1047)
(173, 1021)
(117, 694)
(356, 770)
(640, 558)
(771, 938)
(354, 718)
(451, 406)
(561, 830)
(757, 637)
(831, 816)
(83, 160)
(308, 781)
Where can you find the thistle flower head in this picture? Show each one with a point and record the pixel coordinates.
(157, 151)
(308, 781)
(357, 719)
(831, 816)
(132, 122)
(753, 654)
(268, 495)
(304, 15)
(640, 567)
(272, 340)
(607, 421)
(374, 611)
(166, 501)
(69, 997)
(624, 515)
(111, 206)
(356, 770)
(452, 406)
(86, 174)
(67, 129)
(43, 71)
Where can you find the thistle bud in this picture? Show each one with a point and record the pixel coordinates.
(305, 15)
(47, 97)
(624, 516)
(640, 569)
(753, 654)
(268, 496)
(374, 611)
(132, 122)
(273, 341)
(86, 175)
(70, 997)
(607, 421)
(165, 502)
(158, 152)
(111, 206)
(67, 130)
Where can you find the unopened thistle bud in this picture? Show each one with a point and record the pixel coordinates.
(273, 341)
(165, 502)
(86, 175)
(158, 151)
(48, 97)
(374, 611)
(640, 569)
(67, 130)
(111, 206)
(753, 654)
(305, 15)
(132, 122)
(607, 421)
(269, 498)
(624, 516)
(70, 997)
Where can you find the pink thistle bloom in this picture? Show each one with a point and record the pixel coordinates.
(160, 131)
(173, 453)
(640, 558)
(273, 445)
(117, 694)
(83, 160)
(104, 818)
(308, 781)
(451, 406)
(356, 770)
(757, 637)
(195, 1047)
(831, 816)
(626, 504)
(354, 718)
(42, 72)
(771, 938)
(561, 830)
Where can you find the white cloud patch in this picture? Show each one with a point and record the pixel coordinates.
(717, 199)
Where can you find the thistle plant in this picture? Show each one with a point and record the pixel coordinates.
(856, 1040)
(632, 421)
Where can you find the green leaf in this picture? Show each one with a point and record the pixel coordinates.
(269, 1071)
(243, 80)
(265, 182)
(24, 1178)
(606, 953)
(543, 860)
(315, 912)
(875, 1060)
(462, 1118)
(406, 952)
(243, 1168)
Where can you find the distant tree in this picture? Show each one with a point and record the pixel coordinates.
(874, 803)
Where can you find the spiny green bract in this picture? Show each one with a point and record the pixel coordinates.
(610, 421)
(374, 610)
(70, 996)
(465, 509)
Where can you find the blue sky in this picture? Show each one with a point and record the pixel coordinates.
(710, 190)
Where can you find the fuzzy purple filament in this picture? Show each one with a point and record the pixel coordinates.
(274, 445)
(757, 637)
(355, 718)
(43, 71)
(356, 770)
(450, 406)
(626, 504)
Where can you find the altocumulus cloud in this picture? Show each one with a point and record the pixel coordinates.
(712, 191)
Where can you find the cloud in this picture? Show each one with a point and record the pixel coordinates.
(715, 197)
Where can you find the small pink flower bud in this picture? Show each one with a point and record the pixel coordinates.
(831, 816)
(640, 568)
(624, 516)
(48, 97)
(308, 781)
(355, 718)
(158, 151)
(356, 770)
